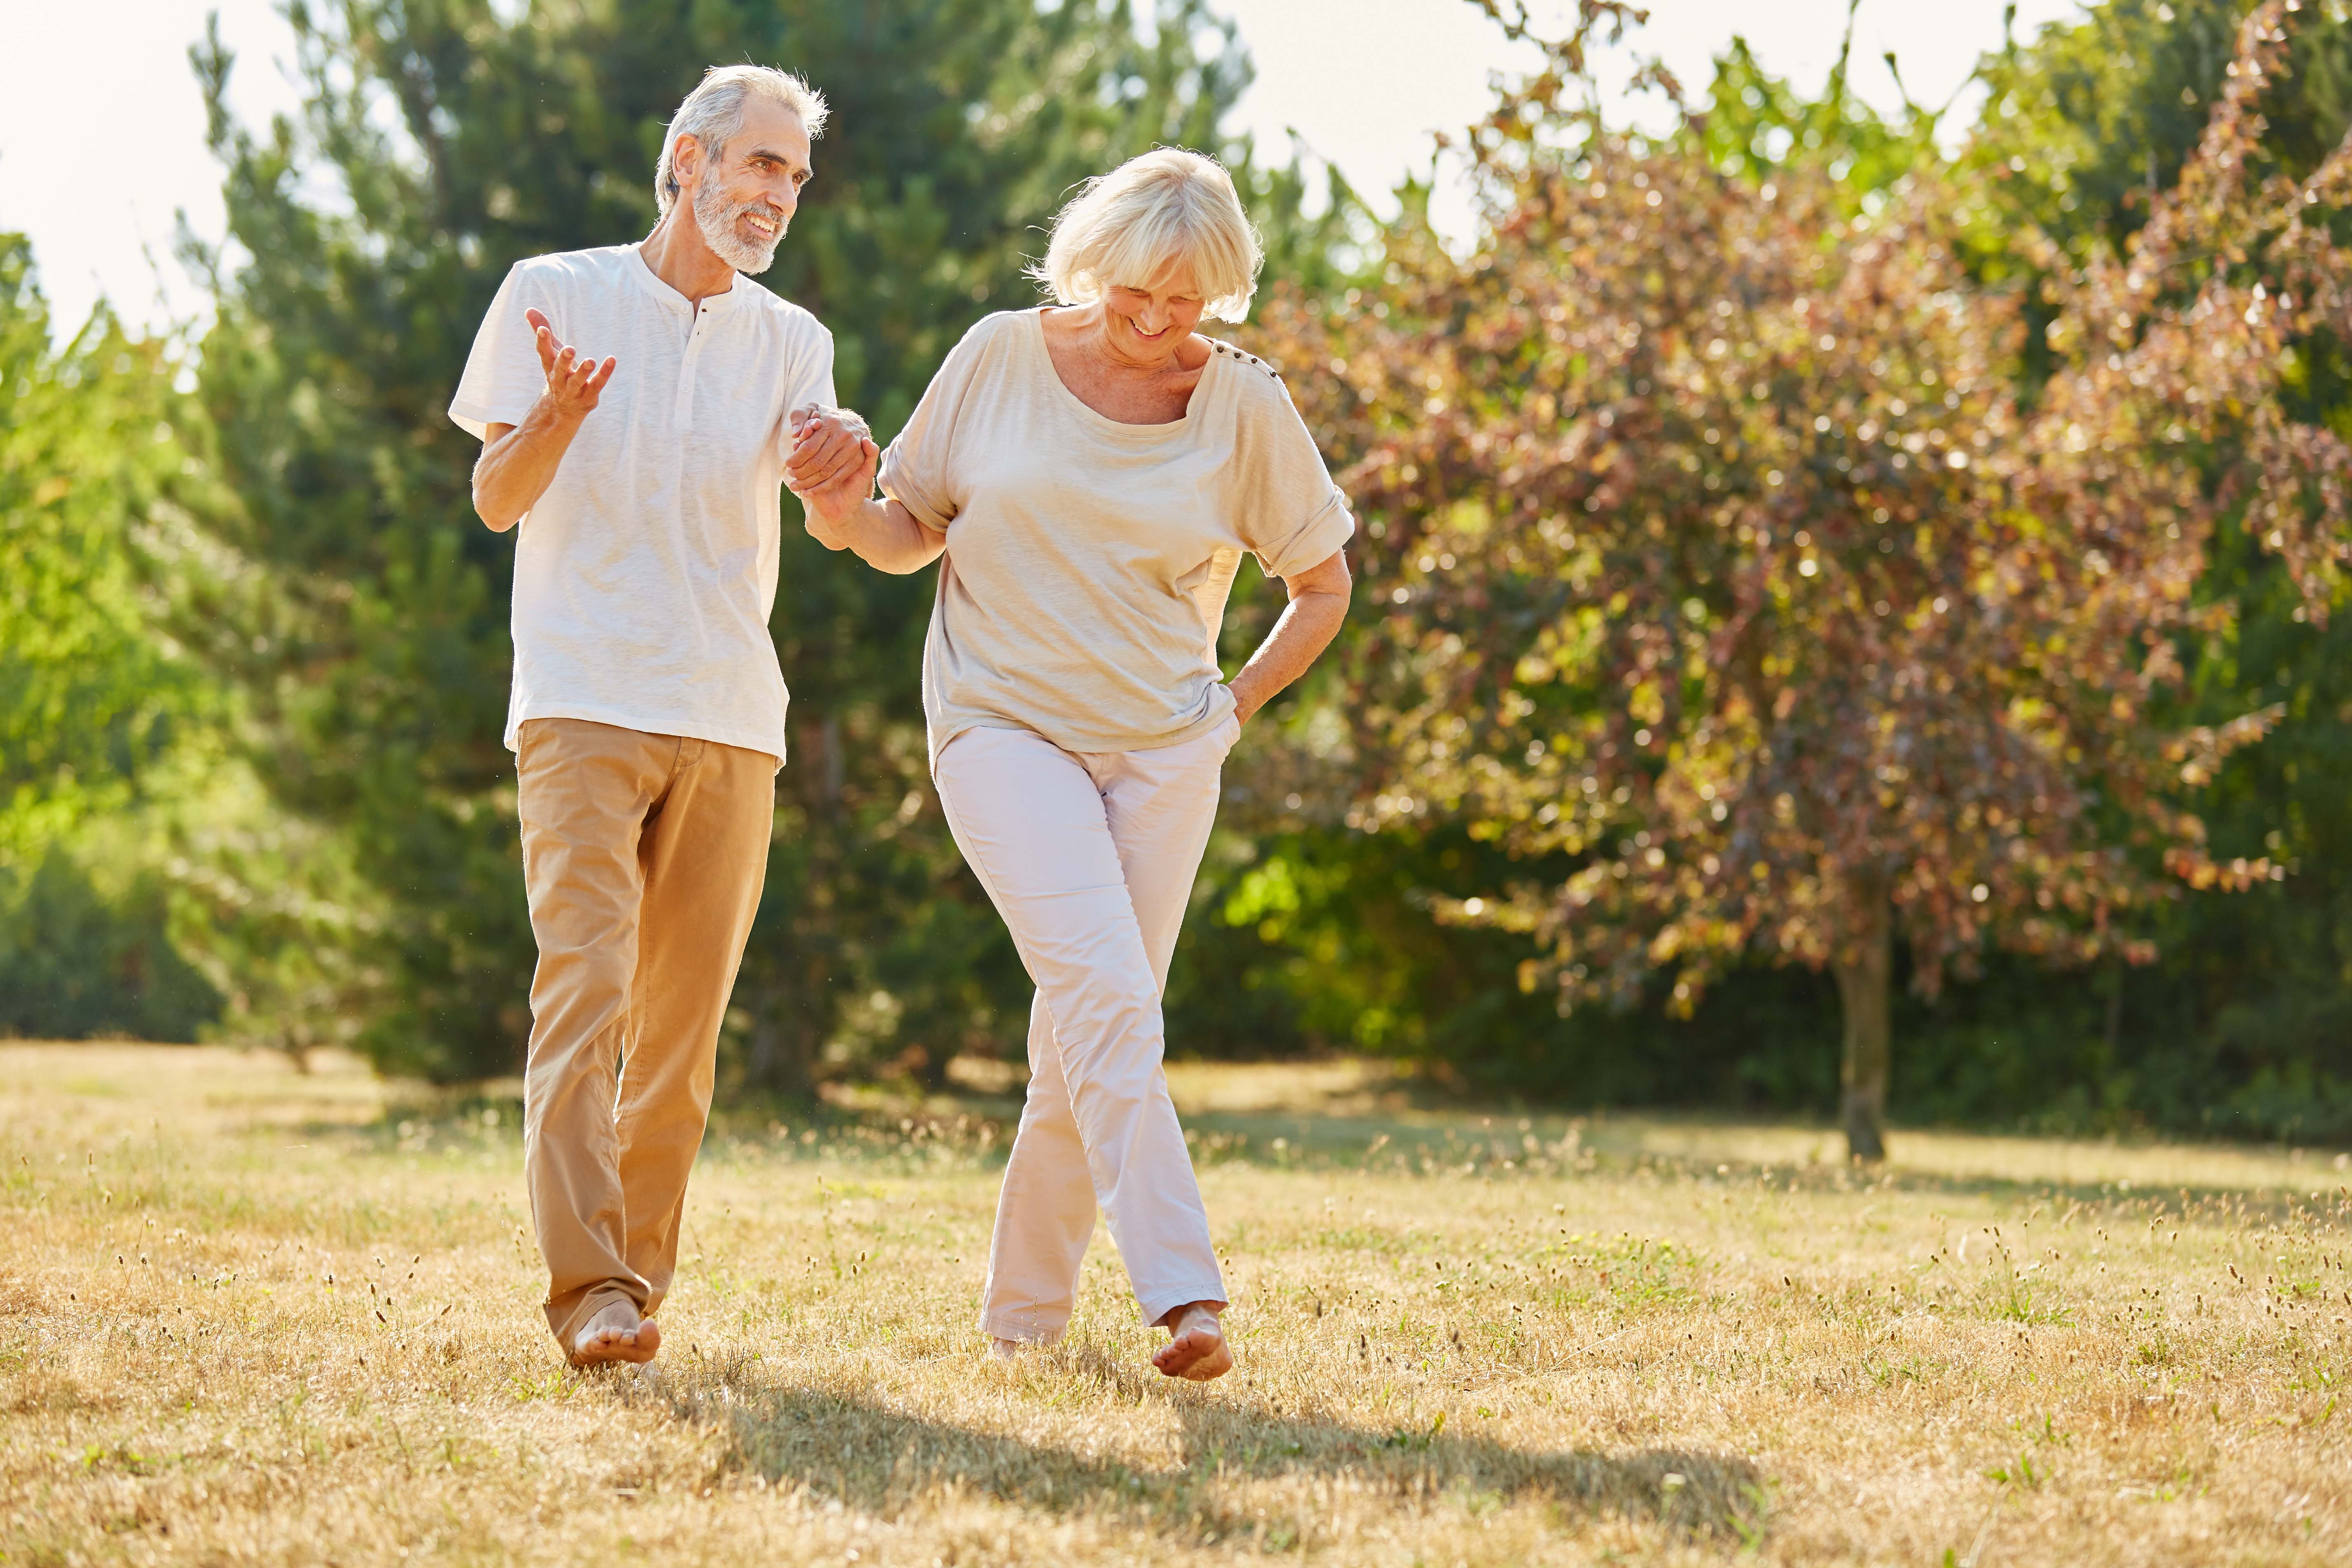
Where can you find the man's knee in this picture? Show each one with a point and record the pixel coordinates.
(576, 1033)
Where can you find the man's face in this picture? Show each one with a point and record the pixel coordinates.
(744, 199)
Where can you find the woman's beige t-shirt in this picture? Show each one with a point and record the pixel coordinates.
(1087, 561)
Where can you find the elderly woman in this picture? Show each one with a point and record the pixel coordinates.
(1092, 472)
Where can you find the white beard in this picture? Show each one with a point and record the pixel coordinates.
(716, 218)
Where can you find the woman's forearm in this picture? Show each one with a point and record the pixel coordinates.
(883, 533)
(1308, 623)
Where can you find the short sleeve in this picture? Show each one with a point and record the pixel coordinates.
(503, 377)
(812, 380)
(919, 471)
(1290, 514)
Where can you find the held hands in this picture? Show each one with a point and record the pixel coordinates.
(832, 460)
(573, 383)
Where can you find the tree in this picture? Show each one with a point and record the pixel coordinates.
(1726, 552)
(90, 465)
(457, 135)
(96, 472)
(2244, 1027)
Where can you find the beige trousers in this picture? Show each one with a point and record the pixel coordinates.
(644, 856)
(1090, 860)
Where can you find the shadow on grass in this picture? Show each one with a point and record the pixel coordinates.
(888, 1462)
(1497, 1147)
(1470, 1145)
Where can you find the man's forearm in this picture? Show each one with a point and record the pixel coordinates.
(519, 462)
(883, 533)
(1308, 623)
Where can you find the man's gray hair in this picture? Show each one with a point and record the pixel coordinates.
(713, 112)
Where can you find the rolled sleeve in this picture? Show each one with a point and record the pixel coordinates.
(1293, 516)
(901, 482)
(1311, 542)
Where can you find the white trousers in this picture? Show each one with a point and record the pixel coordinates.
(1090, 860)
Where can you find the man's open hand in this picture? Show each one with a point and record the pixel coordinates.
(833, 457)
(575, 382)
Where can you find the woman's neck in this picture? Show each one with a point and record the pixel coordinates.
(1088, 331)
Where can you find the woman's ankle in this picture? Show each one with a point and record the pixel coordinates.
(1176, 1321)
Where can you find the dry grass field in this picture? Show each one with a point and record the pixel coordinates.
(248, 1316)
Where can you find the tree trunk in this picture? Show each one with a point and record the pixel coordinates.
(780, 1056)
(933, 1072)
(785, 985)
(1865, 968)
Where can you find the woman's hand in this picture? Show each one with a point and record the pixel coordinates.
(831, 467)
(829, 444)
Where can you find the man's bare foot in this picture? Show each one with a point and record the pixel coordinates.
(1196, 1345)
(616, 1333)
(1003, 1349)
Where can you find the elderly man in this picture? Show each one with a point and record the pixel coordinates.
(648, 713)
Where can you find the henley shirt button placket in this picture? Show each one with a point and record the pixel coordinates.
(682, 412)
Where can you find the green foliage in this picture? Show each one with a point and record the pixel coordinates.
(2087, 124)
(78, 961)
(98, 459)
(2244, 1027)
(90, 463)
(1756, 124)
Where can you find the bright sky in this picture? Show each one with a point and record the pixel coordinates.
(96, 181)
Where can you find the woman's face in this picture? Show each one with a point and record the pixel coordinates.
(1146, 324)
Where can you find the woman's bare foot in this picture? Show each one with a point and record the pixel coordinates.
(616, 1333)
(1196, 1345)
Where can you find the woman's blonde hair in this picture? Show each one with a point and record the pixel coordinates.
(1167, 207)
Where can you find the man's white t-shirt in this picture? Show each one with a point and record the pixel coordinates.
(644, 577)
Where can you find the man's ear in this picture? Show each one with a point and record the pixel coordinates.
(686, 159)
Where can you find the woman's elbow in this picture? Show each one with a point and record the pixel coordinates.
(1328, 579)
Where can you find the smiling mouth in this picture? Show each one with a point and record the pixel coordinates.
(766, 227)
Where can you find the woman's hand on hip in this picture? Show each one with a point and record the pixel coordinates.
(1319, 602)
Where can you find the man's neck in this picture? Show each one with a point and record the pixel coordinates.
(677, 253)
